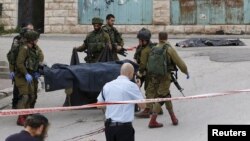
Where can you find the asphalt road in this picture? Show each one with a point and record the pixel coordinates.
(212, 69)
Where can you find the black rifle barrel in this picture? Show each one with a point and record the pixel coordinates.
(177, 84)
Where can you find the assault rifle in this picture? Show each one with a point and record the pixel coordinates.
(174, 79)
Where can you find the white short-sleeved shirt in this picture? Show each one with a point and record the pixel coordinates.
(120, 89)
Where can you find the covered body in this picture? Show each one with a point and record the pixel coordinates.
(86, 79)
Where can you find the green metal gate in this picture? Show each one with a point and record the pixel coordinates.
(193, 12)
(125, 11)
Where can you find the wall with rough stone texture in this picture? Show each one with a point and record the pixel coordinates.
(61, 16)
(9, 14)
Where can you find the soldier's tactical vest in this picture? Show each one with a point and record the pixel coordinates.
(114, 35)
(139, 50)
(13, 52)
(95, 42)
(32, 62)
(159, 63)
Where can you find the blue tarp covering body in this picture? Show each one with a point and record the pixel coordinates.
(86, 79)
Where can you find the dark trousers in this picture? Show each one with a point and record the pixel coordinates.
(120, 133)
(15, 96)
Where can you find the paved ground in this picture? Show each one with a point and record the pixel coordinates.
(211, 69)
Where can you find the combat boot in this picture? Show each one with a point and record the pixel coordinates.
(153, 123)
(20, 120)
(144, 114)
(173, 118)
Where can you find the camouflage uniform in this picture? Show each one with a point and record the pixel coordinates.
(141, 57)
(41, 59)
(115, 38)
(17, 41)
(27, 62)
(158, 86)
(94, 43)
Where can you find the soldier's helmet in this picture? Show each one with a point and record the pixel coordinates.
(23, 31)
(97, 20)
(144, 34)
(31, 35)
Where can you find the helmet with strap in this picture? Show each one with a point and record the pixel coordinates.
(144, 34)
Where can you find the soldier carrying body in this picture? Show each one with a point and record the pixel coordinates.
(115, 37)
(95, 42)
(26, 79)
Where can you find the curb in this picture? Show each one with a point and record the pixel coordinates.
(5, 99)
(6, 91)
(5, 102)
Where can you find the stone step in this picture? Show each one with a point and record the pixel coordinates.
(4, 69)
(4, 75)
(4, 63)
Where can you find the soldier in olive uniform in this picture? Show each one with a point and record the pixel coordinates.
(28, 59)
(17, 41)
(141, 57)
(115, 37)
(159, 85)
(95, 42)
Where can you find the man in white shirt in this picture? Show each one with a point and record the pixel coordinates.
(118, 124)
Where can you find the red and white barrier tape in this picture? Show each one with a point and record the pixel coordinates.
(131, 48)
(57, 109)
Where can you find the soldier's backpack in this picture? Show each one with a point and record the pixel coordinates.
(157, 61)
(13, 52)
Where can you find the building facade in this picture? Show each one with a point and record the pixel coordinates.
(173, 16)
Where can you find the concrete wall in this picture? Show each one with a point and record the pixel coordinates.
(61, 16)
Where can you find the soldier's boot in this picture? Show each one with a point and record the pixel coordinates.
(20, 120)
(153, 123)
(169, 107)
(173, 118)
(144, 114)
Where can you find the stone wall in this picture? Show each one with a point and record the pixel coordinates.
(61, 16)
(9, 14)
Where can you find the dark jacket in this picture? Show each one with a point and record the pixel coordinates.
(22, 136)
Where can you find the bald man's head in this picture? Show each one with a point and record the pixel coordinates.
(127, 69)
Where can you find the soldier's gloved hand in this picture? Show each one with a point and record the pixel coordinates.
(37, 75)
(12, 75)
(139, 74)
(138, 82)
(118, 48)
(28, 78)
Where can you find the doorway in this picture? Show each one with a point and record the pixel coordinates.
(31, 11)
